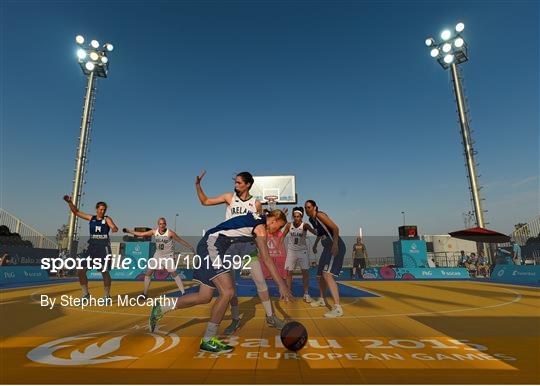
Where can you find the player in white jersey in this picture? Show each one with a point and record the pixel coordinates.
(164, 257)
(239, 203)
(297, 250)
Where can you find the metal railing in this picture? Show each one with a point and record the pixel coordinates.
(26, 232)
(531, 229)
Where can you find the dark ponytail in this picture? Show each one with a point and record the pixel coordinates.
(314, 204)
(247, 178)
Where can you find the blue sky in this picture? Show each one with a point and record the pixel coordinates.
(342, 94)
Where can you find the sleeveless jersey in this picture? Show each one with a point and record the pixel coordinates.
(320, 228)
(99, 231)
(238, 207)
(297, 239)
(164, 244)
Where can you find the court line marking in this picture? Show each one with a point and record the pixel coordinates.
(517, 298)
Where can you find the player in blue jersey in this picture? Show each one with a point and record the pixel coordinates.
(213, 246)
(99, 244)
(241, 202)
(331, 259)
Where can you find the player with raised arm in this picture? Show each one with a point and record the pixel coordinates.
(241, 202)
(164, 256)
(99, 244)
(297, 250)
(212, 249)
(331, 259)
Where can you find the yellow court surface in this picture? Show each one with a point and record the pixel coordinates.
(403, 332)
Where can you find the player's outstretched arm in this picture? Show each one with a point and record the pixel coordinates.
(76, 211)
(208, 201)
(139, 234)
(316, 243)
(111, 224)
(264, 255)
(310, 229)
(285, 231)
(182, 241)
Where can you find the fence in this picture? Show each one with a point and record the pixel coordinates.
(531, 229)
(26, 232)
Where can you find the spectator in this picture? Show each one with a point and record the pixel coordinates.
(360, 256)
(463, 258)
(516, 253)
(482, 265)
(471, 264)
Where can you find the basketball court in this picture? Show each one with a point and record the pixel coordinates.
(392, 332)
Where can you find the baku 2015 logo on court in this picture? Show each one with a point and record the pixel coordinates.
(103, 347)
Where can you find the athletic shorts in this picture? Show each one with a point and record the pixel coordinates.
(329, 263)
(208, 271)
(167, 262)
(99, 252)
(359, 262)
(293, 257)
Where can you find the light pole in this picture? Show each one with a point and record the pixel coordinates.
(450, 51)
(403, 214)
(175, 217)
(94, 64)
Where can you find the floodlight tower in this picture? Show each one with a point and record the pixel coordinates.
(94, 63)
(450, 51)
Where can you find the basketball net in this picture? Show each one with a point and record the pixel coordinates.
(271, 201)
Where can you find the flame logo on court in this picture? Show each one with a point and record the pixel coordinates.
(102, 347)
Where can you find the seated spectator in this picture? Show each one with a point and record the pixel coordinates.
(471, 264)
(463, 258)
(482, 265)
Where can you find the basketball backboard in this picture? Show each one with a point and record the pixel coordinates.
(284, 187)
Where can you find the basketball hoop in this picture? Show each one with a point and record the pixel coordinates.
(271, 201)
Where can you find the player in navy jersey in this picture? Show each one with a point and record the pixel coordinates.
(99, 244)
(214, 245)
(332, 256)
(241, 202)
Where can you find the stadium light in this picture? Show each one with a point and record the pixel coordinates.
(94, 64)
(451, 51)
(446, 34)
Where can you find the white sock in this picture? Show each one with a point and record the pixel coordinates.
(211, 330)
(107, 291)
(179, 283)
(146, 284)
(267, 304)
(337, 306)
(235, 312)
(84, 289)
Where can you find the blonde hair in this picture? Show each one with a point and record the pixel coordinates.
(277, 214)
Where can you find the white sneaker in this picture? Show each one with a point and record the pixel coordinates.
(307, 298)
(318, 303)
(336, 312)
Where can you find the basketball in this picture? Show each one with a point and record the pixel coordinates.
(294, 336)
